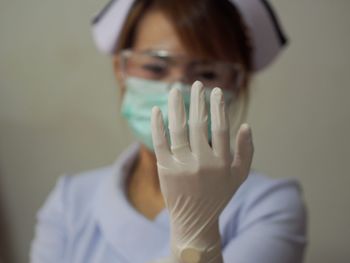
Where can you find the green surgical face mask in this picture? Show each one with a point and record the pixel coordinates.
(140, 97)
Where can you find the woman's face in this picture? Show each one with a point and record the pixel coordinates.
(155, 32)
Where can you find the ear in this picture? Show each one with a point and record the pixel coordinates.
(117, 67)
(118, 73)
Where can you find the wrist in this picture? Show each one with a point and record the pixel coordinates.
(193, 244)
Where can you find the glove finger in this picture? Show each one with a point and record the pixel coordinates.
(219, 125)
(160, 143)
(243, 153)
(198, 120)
(177, 124)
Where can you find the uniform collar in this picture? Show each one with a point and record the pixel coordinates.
(131, 234)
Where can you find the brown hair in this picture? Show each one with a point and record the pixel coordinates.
(210, 29)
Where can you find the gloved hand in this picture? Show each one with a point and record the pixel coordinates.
(197, 180)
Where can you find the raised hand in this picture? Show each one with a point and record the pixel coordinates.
(197, 179)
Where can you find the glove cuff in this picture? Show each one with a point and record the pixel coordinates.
(204, 248)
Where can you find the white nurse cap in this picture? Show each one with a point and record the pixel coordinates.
(267, 34)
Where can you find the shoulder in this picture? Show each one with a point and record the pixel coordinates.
(79, 190)
(266, 202)
(72, 196)
(258, 186)
(260, 190)
(64, 212)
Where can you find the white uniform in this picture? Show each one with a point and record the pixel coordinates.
(87, 218)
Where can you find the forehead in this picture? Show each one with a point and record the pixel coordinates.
(155, 31)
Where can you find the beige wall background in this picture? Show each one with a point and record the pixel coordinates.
(59, 113)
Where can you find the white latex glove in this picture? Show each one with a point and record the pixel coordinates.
(197, 180)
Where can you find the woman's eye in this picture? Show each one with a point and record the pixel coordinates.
(208, 75)
(154, 69)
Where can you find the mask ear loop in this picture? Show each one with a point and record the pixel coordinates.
(124, 55)
(120, 71)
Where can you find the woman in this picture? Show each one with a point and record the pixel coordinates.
(179, 195)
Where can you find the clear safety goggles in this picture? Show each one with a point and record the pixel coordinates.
(161, 65)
